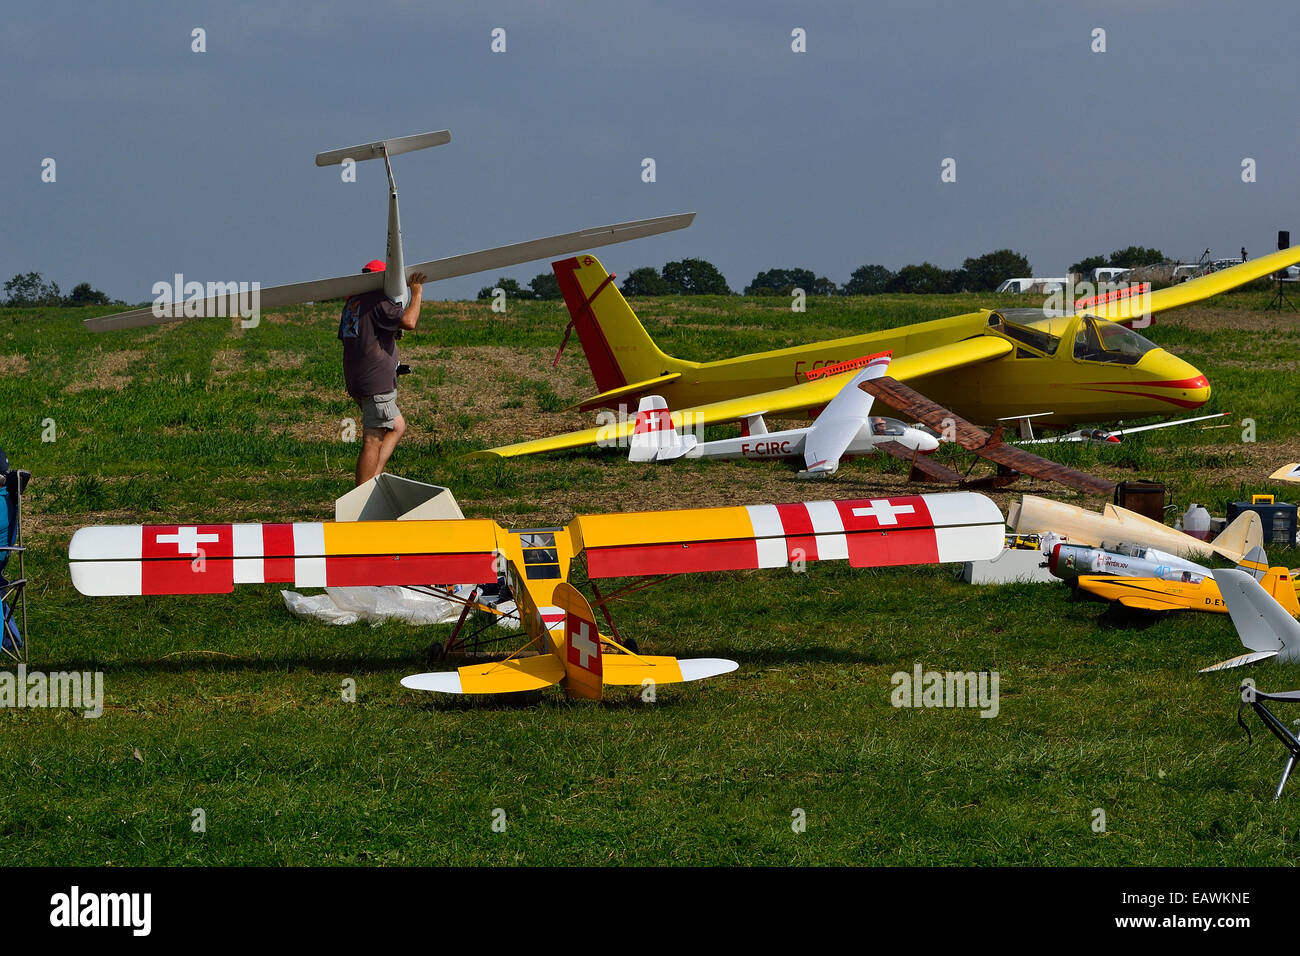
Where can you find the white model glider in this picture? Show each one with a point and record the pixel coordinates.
(1264, 626)
(393, 279)
(845, 428)
(1113, 436)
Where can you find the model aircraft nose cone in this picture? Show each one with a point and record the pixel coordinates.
(922, 441)
(1175, 382)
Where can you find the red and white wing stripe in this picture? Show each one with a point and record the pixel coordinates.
(212, 559)
(873, 532)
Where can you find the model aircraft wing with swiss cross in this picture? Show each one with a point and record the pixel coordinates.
(558, 621)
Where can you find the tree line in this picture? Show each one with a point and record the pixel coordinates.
(701, 277)
(31, 289)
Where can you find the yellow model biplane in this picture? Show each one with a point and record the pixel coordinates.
(1083, 366)
(536, 564)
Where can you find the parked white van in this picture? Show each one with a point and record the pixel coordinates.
(1026, 284)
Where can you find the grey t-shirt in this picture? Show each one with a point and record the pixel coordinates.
(367, 329)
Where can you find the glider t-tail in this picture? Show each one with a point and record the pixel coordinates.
(1264, 626)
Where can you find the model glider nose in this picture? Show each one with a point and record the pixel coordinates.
(1178, 382)
(925, 443)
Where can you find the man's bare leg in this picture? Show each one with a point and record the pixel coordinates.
(390, 440)
(368, 460)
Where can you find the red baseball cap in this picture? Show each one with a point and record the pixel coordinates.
(374, 265)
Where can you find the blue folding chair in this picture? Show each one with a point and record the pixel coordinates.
(13, 592)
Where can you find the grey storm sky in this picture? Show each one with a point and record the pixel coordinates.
(202, 163)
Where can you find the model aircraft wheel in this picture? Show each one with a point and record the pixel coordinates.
(630, 644)
(434, 652)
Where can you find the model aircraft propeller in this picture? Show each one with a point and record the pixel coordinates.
(393, 279)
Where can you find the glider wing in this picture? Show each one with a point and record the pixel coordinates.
(795, 400)
(1194, 290)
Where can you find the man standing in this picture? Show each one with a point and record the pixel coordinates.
(369, 328)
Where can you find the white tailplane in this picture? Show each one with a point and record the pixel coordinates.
(394, 263)
(1264, 626)
(655, 438)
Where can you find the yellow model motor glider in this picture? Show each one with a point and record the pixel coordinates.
(536, 563)
(985, 365)
(1155, 594)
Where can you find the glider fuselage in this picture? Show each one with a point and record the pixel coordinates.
(1052, 373)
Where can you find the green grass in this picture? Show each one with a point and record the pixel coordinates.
(236, 708)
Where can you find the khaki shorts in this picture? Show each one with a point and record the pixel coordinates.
(379, 411)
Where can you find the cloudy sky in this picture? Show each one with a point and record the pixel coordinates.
(168, 160)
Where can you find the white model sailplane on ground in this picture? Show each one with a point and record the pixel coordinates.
(1103, 436)
(846, 428)
(536, 563)
(393, 279)
(1265, 627)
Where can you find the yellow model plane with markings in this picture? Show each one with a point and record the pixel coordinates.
(564, 645)
(1194, 592)
(1086, 365)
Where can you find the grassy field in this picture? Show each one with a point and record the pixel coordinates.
(230, 705)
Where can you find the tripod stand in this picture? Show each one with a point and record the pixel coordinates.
(1280, 298)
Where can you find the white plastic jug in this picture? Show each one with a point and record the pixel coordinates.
(1196, 522)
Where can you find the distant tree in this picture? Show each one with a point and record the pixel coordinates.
(923, 278)
(985, 273)
(645, 281)
(868, 280)
(30, 288)
(1084, 267)
(83, 294)
(510, 287)
(694, 277)
(545, 286)
(779, 281)
(785, 281)
(1134, 256)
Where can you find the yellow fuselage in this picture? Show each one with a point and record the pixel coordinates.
(1155, 594)
(1018, 380)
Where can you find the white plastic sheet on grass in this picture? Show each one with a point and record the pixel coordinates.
(375, 605)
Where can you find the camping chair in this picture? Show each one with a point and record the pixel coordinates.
(13, 592)
(1255, 699)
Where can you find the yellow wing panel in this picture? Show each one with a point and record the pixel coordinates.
(512, 676)
(655, 527)
(465, 536)
(627, 670)
(1194, 290)
(798, 399)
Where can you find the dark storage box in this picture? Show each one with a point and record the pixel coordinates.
(1278, 517)
(1145, 497)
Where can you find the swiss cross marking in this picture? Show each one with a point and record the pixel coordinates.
(580, 640)
(187, 540)
(884, 511)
